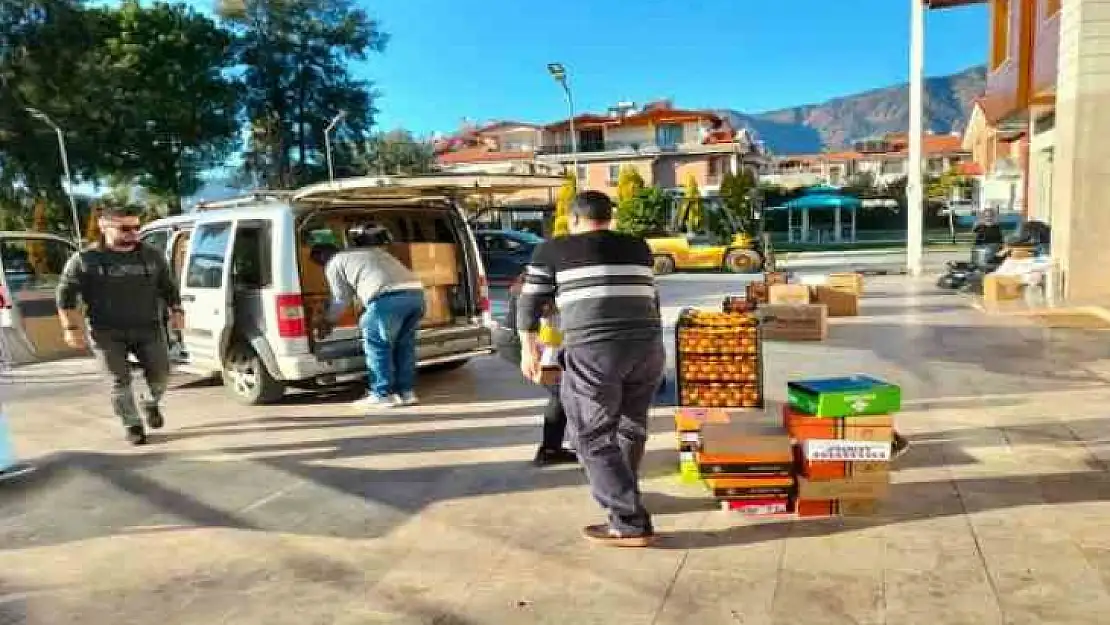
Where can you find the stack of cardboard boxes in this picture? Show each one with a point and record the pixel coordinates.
(842, 429)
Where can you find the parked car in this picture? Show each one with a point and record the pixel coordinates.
(252, 294)
(506, 252)
(32, 264)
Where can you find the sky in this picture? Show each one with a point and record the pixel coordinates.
(450, 60)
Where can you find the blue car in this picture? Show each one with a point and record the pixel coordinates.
(506, 252)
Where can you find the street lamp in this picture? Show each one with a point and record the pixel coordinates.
(559, 73)
(42, 117)
(327, 142)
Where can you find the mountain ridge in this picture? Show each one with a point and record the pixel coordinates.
(837, 122)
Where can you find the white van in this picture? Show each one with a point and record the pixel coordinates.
(251, 291)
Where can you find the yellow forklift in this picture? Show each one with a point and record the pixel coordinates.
(689, 246)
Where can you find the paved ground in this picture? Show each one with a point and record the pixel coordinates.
(308, 513)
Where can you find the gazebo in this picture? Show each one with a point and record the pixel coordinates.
(821, 198)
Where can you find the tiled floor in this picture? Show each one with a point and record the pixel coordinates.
(309, 513)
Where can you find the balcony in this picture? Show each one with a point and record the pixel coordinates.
(633, 148)
(1046, 50)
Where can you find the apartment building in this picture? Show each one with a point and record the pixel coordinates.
(1048, 83)
(666, 145)
(884, 158)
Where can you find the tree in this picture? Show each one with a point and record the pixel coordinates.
(692, 205)
(394, 152)
(736, 198)
(92, 226)
(561, 225)
(36, 250)
(297, 57)
(646, 214)
(629, 186)
(181, 115)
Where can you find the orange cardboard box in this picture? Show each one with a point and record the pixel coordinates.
(840, 303)
(850, 282)
(818, 471)
(738, 465)
(746, 442)
(874, 486)
(835, 507)
(750, 487)
(803, 427)
(691, 419)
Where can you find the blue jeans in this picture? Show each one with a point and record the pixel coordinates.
(389, 325)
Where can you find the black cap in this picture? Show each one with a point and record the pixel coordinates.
(592, 205)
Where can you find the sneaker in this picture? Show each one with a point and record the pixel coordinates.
(371, 402)
(136, 435)
(606, 535)
(408, 399)
(549, 457)
(900, 446)
(154, 418)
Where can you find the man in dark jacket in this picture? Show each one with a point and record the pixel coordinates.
(127, 288)
(603, 286)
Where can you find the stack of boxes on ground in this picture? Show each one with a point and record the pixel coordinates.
(800, 312)
(825, 453)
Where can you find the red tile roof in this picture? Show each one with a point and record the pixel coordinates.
(969, 169)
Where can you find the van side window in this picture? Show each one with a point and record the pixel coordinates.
(157, 239)
(206, 262)
(32, 263)
(251, 257)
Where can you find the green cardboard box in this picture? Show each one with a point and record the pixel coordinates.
(844, 397)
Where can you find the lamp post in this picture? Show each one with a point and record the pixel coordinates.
(44, 118)
(327, 142)
(559, 73)
(915, 208)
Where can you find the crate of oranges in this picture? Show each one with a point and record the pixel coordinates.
(719, 359)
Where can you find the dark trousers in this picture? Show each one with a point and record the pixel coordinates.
(112, 347)
(607, 389)
(554, 421)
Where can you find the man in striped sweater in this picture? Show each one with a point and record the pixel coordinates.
(602, 284)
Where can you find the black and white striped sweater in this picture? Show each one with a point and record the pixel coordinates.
(601, 283)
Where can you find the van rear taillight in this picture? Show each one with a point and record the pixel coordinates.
(483, 294)
(291, 320)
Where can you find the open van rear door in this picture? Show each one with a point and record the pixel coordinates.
(206, 295)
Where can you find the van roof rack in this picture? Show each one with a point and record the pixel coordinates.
(250, 198)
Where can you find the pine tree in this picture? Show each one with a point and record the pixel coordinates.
(692, 205)
(36, 250)
(629, 187)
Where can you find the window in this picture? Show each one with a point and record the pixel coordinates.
(936, 165)
(207, 257)
(893, 167)
(157, 239)
(583, 178)
(668, 135)
(251, 267)
(614, 175)
(33, 264)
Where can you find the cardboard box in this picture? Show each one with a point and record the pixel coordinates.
(436, 264)
(690, 419)
(829, 450)
(821, 471)
(437, 307)
(761, 506)
(795, 322)
(711, 465)
(550, 373)
(849, 282)
(801, 426)
(844, 397)
(790, 294)
(854, 488)
(756, 292)
(749, 487)
(810, 508)
(839, 303)
(775, 277)
(751, 442)
(998, 289)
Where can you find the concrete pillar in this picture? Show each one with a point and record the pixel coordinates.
(1081, 178)
(854, 213)
(837, 229)
(805, 225)
(789, 225)
(915, 210)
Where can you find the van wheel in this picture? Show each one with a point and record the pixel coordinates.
(663, 264)
(246, 378)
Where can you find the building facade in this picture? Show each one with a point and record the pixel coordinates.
(1048, 97)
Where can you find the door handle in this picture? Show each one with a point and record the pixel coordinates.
(188, 297)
